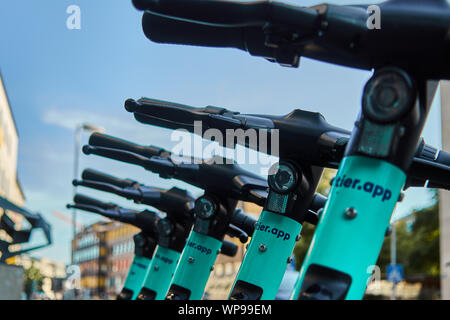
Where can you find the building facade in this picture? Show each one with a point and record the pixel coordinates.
(9, 140)
(121, 252)
(444, 196)
(104, 252)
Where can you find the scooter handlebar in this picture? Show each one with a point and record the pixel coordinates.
(94, 175)
(103, 140)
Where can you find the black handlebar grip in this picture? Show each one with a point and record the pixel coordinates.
(103, 140)
(215, 12)
(243, 221)
(85, 207)
(116, 154)
(161, 29)
(228, 248)
(82, 199)
(94, 175)
(233, 13)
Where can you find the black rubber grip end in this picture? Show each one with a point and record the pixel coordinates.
(131, 105)
(87, 149)
(140, 4)
(229, 248)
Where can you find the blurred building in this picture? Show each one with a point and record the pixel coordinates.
(444, 196)
(9, 140)
(9, 183)
(104, 252)
(120, 256)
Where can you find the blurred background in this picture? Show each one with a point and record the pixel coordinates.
(60, 84)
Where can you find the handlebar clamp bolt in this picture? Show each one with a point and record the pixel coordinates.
(350, 213)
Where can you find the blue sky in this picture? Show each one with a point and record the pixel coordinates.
(56, 78)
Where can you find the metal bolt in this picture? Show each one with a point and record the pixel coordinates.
(191, 260)
(262, 248)
(156, 268)
(350, 213)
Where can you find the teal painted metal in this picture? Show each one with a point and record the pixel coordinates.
(161, 271)
(268, 252)
(352, 245)
(137, 274)
(196, 263)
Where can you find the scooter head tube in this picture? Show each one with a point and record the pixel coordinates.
(144, 248)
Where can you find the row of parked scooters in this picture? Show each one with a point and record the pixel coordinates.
(384, 154)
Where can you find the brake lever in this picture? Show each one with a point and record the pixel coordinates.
(243, 183)
(322, 143)
(237, 232)
(145, 220)
(94, 175)
(161, 165)
(118, 214)
(129, 193)
(177, 203)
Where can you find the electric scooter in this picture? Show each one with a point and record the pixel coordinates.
(172, 231)
(224, 185)
(396, 100)
(322, 145)
(145, 242)
(172, 234)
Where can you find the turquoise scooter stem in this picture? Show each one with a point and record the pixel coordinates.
(144, 247)
(351, 230)
(271, 246)
(195, 266)
(160, 274)
(136, 276)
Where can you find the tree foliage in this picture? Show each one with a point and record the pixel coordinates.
(307, 229)
(33, 279)
(417, 243)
